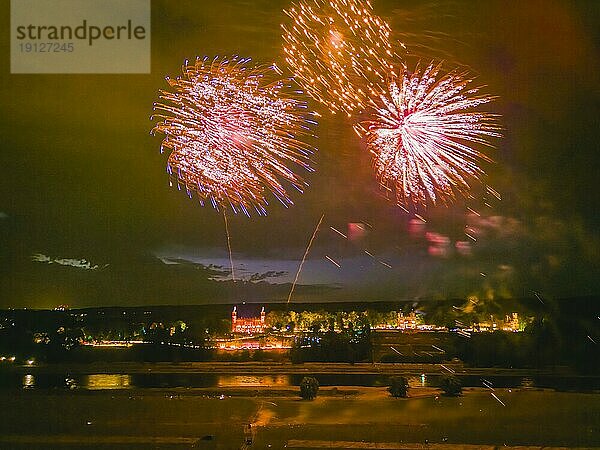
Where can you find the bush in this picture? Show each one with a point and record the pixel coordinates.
(451, 385)
(309, 386)
(398, 387)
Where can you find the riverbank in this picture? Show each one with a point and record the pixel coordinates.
(179, 418)
(98, 376)
(281, 368)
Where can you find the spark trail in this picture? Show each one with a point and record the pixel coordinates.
(228, 244)
(312, 238)
(339, 51)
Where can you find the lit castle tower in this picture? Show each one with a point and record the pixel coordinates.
(233, 319)
(247, 325)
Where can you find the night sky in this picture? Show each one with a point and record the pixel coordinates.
(82, 179)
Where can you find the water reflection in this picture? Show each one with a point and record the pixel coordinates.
(418, 381)
(203, 380)
(252, 380)
(28, 381)
(107, 381)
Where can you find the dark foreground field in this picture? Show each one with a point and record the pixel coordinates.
(346, 418)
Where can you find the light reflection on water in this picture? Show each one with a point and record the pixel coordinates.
(28, 381)
(418, 381)
(214, 380)
(252, 380)
(107, 381)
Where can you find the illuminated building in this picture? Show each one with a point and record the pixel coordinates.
(247, 325)
(490, 325)
(407, 322)
(511, 322)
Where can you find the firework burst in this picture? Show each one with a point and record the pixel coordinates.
(423, 136)
(338, 51)
(234, 131)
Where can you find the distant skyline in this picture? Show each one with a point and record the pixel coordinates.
(87, 217)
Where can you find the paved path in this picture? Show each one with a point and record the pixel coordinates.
(297, 443)
(85, 440)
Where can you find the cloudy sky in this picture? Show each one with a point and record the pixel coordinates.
(87, 216)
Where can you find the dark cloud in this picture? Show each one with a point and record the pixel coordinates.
(271, 274)
(72, 262)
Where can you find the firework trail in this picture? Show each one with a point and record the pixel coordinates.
(228, 244)
(338, 51)
(312, 238)
(335, 230)
(423, 135)
(333, 261)
(233, 129)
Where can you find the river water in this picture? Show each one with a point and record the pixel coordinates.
(103, 381)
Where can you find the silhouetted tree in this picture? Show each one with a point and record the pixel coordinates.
(398, 387)
(309, 386)
(451, 385)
